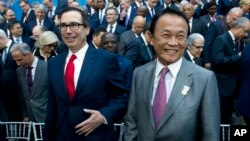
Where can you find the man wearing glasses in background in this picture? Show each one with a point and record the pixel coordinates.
(86, 93)
(195, 43)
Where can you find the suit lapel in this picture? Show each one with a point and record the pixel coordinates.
(149, 81)
(87, 66)
(184, 79)
(37, 77)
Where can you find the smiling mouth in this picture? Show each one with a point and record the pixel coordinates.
(170, 51)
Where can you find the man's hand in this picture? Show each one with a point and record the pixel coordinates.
(95, 120)
(207, 66)
(25, 119)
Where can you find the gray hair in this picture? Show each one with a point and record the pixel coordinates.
(235, 10)
(46, 38)
(192, 37)
(22, 47)
(41, 7)
(2, 19)
(3, 34)
(242, 21)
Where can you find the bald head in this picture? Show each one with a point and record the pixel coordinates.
(138, 24)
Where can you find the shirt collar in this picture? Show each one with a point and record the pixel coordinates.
(80, 54)
(173, 68)
(232, 35)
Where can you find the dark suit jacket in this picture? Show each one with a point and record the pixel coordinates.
(27, 40)
(226, 64)
(29, 26)
(10, 88)
(243, 101)
(31, 17)
(34, 105)
(99, 90)
(3, 113)
(125, 39)
(119, 29)
(95, 17)
(4, 27)
(133, 13)
(198, 26)
(215, 29)
(186, 55)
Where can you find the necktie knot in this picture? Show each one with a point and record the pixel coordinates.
(72, 58)
(17, 40)
(164, 72)
(111, 28)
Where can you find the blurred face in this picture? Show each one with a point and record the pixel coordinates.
(101, 4)
(17, 30)
(47, 3)
(196, 48)
(231, 17)
(110, 43)
(116, 3)
(3, 42)
(25, 7)
(40, 14)
(152, 3)
(21, 59)
(169, 38)
(138, 26)
(75, 39)
(97, 39)
(246, 8)
(167, 1)
(48, 49)
(111, 16)
(10, 15)
(124, 5)
(142, 12)
(212, 10)
(188, 10)
(36, 32)
(242, 31)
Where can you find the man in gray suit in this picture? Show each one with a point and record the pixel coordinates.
(172, 98)
(32, 82)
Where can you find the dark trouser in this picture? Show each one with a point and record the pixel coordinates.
(227, 108)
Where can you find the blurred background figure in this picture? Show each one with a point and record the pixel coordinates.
(46, 46)
(32, 81)
(195, 43)
(28, 14)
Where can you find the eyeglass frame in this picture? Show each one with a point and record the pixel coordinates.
(54, 45)
(64, 27)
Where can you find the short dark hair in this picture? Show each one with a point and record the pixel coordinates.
(11, 25)
(98, 30)
(171, 11)
(83, 14)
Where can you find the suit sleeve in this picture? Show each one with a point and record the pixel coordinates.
(131, 118)
(209, 39)
(51, 119)
(117, 106)
(210, 111)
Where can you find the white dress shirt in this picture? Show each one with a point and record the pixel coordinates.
(80, 55)
(169, 78)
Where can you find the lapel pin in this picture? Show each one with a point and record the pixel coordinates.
(185, 90)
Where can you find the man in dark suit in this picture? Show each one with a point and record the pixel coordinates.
(40, 20)
(11, 97)
(139, 51)
(87, 94)
(172, 98)
(10, 17)
(153, 9)
(51, 10)
(196, 25)
(216, 29)
(127, 13)
(112, 25)
(225, 57)
(16, 31)
(28, 13)
(100, 16)
(32, 82)
(211, 14)
(195, 43)
(243, 101)
(130, 35)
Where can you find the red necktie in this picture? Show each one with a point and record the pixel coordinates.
(160, 100)
(69, 77)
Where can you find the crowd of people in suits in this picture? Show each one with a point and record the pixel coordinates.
(36, 53)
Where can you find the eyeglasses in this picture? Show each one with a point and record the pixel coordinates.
(197, 47)
(72, 26)
(52, 45)
(110, 14)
